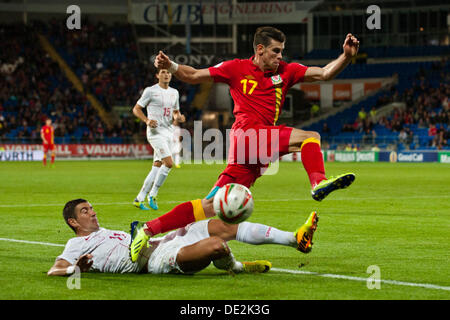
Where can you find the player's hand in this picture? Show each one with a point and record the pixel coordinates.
(162, 61)
(84, 262)
(152, 123)
(181, 118)
(351, 46)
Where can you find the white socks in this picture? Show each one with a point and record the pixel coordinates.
(160, 178)
(148, 182)
(176, 159)
(229, 263)
(256, 233)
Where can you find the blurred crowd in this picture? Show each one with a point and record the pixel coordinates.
(33, 87)
(427, 108)
(105, 58)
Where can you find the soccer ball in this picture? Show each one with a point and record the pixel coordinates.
(233, 203)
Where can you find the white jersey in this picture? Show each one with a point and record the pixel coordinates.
(109, 248)
(160, 104)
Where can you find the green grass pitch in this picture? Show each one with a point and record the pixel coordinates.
(394, 216)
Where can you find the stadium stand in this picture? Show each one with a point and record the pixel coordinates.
(422, 86)
(105, 59)
(106, 62)
(384, 52)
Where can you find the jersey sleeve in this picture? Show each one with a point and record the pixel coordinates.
(72, 251)
(224, 71)
(144, 100)
(297, 72)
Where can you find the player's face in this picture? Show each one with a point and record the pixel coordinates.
(164, 76)
(272, 55)
(48, 122)
(86, 221)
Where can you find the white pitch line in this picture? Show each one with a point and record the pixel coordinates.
(343, 277)
(304, 272)
(257, 200)
(33, 242)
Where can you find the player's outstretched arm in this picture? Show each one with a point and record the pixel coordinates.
(332, 69)
(63, 267)
(184, 73)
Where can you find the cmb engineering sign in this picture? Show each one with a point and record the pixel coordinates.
(221, 12)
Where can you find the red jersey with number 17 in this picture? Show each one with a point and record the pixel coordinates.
(258, 96)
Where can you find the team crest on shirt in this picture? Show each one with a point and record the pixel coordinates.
(276, 79)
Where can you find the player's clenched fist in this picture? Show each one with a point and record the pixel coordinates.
(351, 45)
(85, 262)
(162, 61)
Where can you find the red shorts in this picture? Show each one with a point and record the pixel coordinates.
(252, 148)
(48, 146)
(242, 174)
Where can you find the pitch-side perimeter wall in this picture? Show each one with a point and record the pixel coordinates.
(33, 152)
(376, 156)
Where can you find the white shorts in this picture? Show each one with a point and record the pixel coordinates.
(176, 147)
(164, 257)
(162, 145)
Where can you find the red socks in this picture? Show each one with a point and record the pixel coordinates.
(312, 160)
(178, 217)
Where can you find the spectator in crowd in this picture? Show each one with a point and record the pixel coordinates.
(362, 114)
(373, 114)
(432, 130)
(402, 136)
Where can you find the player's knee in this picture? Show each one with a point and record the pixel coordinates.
(218, 247)
(314, 134)
(208, 207)
(168, 162)
(168, 165)
(157, 163)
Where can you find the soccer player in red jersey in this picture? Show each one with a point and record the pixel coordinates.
(47, 136)
(258, 87)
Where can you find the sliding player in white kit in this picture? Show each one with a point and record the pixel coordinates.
(162, 103)
(186, 250)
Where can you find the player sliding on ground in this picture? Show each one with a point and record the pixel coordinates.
(258, 87)
(186, 250)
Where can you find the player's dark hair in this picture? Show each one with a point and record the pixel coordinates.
(264, 36)
(156, 73)
(69, 211)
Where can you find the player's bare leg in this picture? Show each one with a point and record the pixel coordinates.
(308, 143)
(199, 255)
